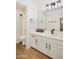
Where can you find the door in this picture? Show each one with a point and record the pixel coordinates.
(19, 18)
(18, 23)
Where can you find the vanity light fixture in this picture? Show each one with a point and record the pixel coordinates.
(52, 5)
(59, 3)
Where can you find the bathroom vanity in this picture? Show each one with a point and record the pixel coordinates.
(49, 44)
(49, 41)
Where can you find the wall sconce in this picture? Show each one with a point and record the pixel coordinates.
(31, 20)
(21, 14)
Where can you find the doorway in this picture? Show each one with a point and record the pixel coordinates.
(20, 22)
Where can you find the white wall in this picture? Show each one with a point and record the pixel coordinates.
(31, 12)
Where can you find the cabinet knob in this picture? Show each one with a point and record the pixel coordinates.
(46, 45)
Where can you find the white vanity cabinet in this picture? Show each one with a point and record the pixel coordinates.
(50, 46)
(45, 46)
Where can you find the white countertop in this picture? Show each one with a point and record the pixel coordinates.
(56, 35)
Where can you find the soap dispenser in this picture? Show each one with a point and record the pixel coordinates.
(52, 31)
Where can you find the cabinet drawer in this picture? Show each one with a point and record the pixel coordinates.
(58, 42)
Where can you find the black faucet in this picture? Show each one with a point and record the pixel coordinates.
(52, 31)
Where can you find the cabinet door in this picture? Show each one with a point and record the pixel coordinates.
(43, 45)
(58, 52)
(51, 50)
(34, 41)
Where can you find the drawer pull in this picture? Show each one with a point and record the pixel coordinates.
(46, 45)
(36, 41)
